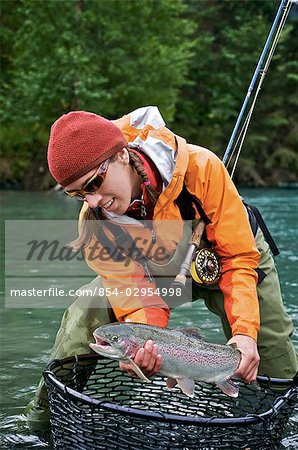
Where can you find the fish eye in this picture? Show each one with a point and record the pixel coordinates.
(114, 338)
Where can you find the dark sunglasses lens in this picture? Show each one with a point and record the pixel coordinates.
(94, 184)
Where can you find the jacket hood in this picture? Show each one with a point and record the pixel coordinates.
(145, 131)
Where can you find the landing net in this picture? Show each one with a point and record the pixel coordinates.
(96, 406)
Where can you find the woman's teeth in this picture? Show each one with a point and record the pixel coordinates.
(108, 204)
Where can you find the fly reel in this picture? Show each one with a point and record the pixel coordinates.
(206, 267)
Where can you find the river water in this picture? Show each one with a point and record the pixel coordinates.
(27, 334)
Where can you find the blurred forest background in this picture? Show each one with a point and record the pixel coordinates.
(193, 59)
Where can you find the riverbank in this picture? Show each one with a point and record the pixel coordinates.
(34, 176)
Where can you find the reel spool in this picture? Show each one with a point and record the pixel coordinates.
(206, 267)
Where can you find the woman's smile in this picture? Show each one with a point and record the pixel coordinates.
(107, 206)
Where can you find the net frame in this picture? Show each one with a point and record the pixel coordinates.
(95, 406)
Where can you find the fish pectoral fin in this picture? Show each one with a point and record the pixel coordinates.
(187, 385)
(137, 370)
(171, 383)
(228, 387)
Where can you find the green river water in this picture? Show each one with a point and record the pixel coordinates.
(27, 334)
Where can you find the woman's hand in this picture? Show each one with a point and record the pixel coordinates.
(147, 358)
(248, 367)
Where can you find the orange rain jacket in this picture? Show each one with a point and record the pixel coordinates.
(229, 231)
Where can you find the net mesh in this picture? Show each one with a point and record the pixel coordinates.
(94, 405)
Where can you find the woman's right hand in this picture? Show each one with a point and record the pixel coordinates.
(147, 359)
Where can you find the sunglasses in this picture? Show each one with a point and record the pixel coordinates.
(93, 184)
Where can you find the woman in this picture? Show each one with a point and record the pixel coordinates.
(138, 181)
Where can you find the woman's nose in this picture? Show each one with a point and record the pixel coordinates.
(93, 199)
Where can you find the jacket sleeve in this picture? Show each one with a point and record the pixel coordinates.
(231, 235)
(132, 296)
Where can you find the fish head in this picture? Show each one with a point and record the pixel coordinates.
(116, 341)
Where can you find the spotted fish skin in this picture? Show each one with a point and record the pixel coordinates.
(185, 356)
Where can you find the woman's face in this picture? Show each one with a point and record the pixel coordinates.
(120, 186)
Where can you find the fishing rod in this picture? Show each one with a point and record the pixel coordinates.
(270, 44)
(206, 268)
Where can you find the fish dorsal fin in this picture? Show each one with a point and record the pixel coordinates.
(234, 345)
(191, 331)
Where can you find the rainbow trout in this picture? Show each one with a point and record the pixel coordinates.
(185, 356)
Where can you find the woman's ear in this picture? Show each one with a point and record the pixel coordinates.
(123, 156)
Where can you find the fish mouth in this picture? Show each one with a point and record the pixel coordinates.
(104, 348)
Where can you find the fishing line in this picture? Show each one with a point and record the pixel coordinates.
(285, 6)
(263, 73)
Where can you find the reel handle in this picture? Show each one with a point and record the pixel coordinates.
(180, 280)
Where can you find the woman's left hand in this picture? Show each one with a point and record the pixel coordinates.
(250, 359)
(147, 359)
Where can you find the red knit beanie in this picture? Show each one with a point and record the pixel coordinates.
(79, 142)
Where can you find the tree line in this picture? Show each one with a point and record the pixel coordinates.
(192, 58)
